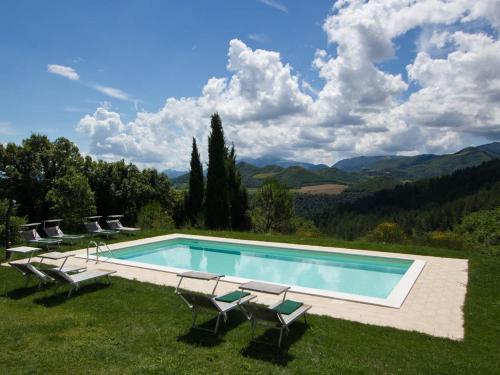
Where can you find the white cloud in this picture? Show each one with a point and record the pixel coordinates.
(259, 38)
(113, 92)
(275, 4)
(64, 71)
(361, 108)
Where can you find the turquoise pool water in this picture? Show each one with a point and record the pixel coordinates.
(354, 274)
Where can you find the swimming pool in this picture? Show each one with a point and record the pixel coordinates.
(340, 274)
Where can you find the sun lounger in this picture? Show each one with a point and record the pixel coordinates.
(114, 223)
(92, 225)
(31, 236)
(74, 280)
(53, 230)
(28, 270)
(278, 316)
(220, 304)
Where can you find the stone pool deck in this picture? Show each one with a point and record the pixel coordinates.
(433, 306)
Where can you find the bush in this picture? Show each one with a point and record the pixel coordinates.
(448, 240)
(305, 227)
(15, 227)
(154, 216)
(481, 231)
(387, 232)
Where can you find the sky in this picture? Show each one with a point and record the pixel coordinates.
(314, 81)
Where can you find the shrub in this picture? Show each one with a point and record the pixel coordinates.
(15, 227)
(481, 231)
(154, 216)
(387, 232)
(449, 240)
(305, 227)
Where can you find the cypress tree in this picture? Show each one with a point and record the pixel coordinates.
(196, 185)
(238, 198)
(217, 204)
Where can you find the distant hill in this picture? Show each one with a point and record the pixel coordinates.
(173, 173)
(425, 205)
(368, 173)
(361, 162)
(264, 161)
(493, 148)
(421, 166)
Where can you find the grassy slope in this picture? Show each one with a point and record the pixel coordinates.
(134, 327)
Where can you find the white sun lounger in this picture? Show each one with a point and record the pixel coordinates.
(53, 230)
(197, 301)
(114, 223)
(74, 280)
(28, 270)
(267, 316)
(31, 236)
(92, 225)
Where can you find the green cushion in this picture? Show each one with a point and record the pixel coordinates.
(231, 297)
(287, 307)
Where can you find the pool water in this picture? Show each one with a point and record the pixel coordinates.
(370, 276)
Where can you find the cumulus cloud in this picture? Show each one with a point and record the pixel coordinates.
(361, 108)
(64, 71)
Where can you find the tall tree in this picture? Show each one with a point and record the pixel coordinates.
(217, 204)
(196, 185)
(238, 197)
(71, 198)
(273, 208)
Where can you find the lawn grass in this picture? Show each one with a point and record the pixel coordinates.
(133, 327)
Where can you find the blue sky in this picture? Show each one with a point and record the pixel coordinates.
(149, 49)
(309, 80)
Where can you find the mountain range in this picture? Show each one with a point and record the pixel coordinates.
(365, 173)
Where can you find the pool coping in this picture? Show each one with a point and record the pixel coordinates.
(395, 299)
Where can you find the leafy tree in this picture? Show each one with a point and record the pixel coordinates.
(217, 204)
(238, 196)
(71, 198)
(154, 216)
(481, 230)
(196, 185)
(273, 209)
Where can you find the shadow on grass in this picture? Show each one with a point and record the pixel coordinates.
(201, 337)
(265, 347)
(52, 299)
(24, 291)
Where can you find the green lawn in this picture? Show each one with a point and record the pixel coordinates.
(133, 327)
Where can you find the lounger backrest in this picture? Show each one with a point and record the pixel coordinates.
(93, 226)
(29, 269)
(198, 300)
(54, 231)
(30, 235)
(58, 276)
(262, 313)
(114, 224)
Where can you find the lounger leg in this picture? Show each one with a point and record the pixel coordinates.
(27, 281)
(305, 319)
(217, 323)
(281, 337)
(254, 325)
(70, 291)
(194, 312)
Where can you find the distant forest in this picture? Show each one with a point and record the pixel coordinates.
(422, 206)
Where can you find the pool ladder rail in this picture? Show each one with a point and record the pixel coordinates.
(101, 248)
